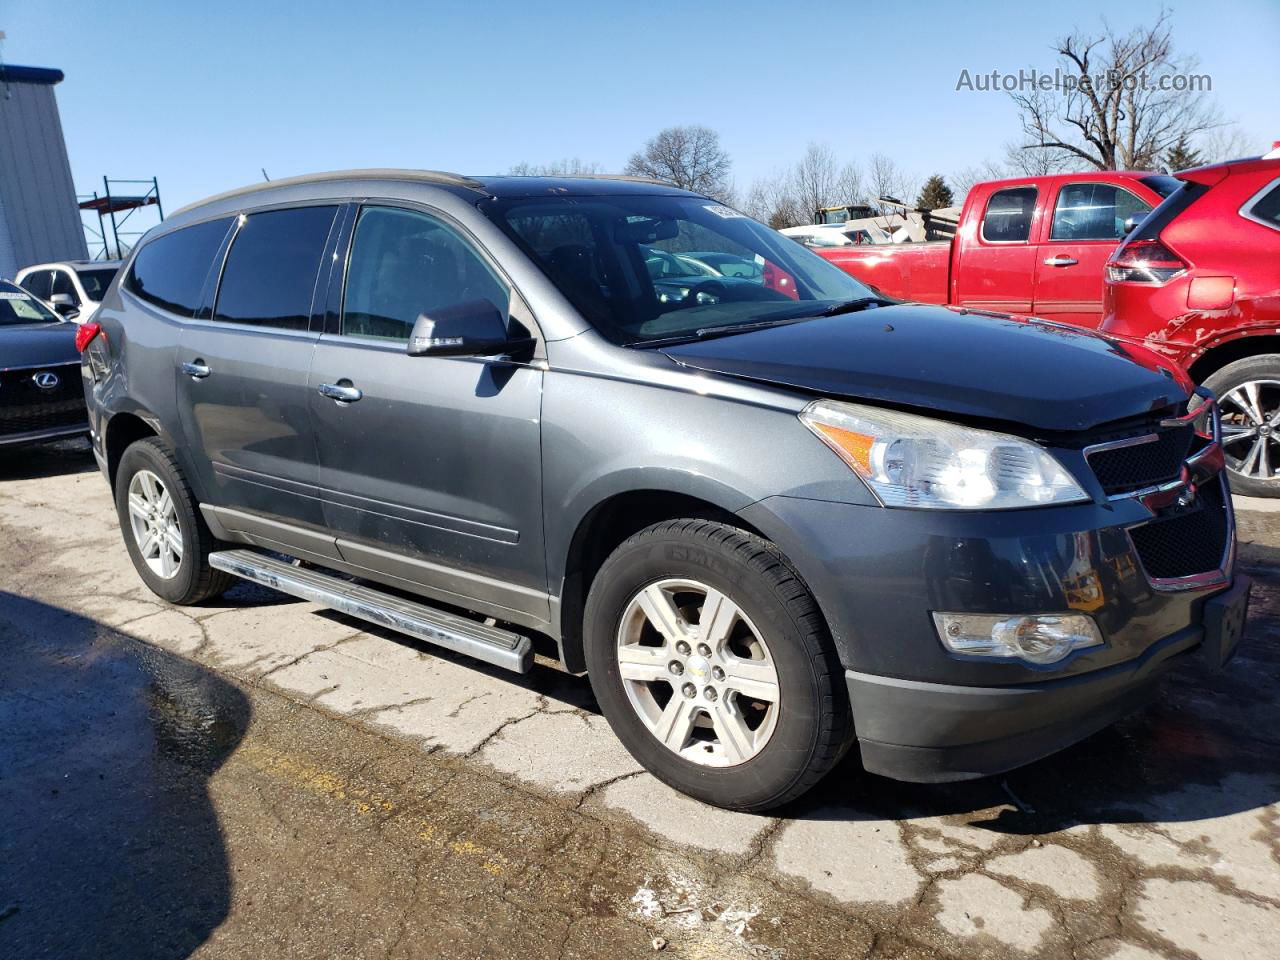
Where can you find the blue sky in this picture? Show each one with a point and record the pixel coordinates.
(205, 95)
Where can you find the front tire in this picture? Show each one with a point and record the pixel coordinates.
(167, 538)
(1248, 393)
(713, 665)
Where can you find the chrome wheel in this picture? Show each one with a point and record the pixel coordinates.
(1251, 428)
(154, 520)
(698, 672)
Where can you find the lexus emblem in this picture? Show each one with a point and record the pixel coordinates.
(46, 380)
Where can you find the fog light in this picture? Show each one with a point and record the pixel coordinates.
(1036, 638)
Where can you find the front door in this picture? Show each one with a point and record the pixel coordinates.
(1088, 222)
(242, 378)
(430, 470)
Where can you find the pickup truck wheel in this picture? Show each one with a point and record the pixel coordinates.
(166, 537)
(713, 665)
(1248, 394)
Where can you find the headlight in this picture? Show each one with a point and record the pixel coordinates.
(1040, 639)
(913, 461)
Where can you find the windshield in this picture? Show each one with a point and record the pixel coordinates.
(648, 268)
(95, 281)
(18, 306)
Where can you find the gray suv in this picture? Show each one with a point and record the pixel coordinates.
(769, 512)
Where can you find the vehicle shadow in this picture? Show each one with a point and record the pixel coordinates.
(110, 845)
(47, 460)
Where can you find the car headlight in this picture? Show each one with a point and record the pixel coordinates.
(914, 461)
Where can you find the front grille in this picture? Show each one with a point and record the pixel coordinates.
(1189, 543)
(26, 408)
(1135, 466)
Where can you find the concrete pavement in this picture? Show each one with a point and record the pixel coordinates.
(358, 794)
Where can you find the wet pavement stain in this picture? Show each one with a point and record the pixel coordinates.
(110, 845)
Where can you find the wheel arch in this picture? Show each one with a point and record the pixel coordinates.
(127, 426)
(1228, 350)
(607, 524)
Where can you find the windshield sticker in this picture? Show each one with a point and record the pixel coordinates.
(27, 310)
(14, 295)
(720, 210)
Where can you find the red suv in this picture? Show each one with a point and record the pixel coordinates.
(1199, 281)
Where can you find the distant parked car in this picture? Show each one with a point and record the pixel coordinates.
(72, 288)
(1199, 281)
(41, 395)
(1033, 245)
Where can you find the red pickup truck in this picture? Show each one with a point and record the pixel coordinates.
(1034, 245)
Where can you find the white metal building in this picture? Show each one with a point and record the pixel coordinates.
(39, 217)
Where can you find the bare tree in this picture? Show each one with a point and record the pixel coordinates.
(1118, 108)
(688, 157)
(567, 167)
(773, 200)
(887, 179)
(1227, 143)
(819, 180)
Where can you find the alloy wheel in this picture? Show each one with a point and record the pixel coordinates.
(698, 673)
(153, 517)
(1251, 428)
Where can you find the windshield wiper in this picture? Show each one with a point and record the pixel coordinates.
(853, 306)
(731, 329)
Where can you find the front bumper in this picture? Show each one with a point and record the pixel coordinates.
(929, 732)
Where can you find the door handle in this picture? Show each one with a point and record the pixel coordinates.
(1061, 261)
(196, 369)
(342, 392)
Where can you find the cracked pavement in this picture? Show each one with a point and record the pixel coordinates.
(261, 777)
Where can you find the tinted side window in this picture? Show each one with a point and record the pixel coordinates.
(170, 271)
(38, 284)
(62, 284)
(270, 275)
(1008, 216)
(405, 263)
(1094, 211)
(1267, 209)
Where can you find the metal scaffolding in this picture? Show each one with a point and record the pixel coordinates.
(118, 242)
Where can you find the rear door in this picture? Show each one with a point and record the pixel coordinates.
(1087, 223)
(242, 377)
(997, 264)
(432, 476)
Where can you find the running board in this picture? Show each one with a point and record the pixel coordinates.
(502, 648)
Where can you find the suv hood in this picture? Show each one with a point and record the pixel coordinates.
(37, 345)
(986, 365)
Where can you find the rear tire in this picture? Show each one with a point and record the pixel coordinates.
(1246, 389)
(745, 745)
(167, 538)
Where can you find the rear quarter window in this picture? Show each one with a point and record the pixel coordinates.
(170, 271)
(1265, 208)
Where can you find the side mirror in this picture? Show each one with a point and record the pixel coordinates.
(1130, 224)
(474, 328)
(63, 304)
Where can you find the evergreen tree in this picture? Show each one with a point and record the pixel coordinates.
(1181, 157)
(935, 194)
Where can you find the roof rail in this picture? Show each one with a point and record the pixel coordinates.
(610, 176)
(429, 176)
